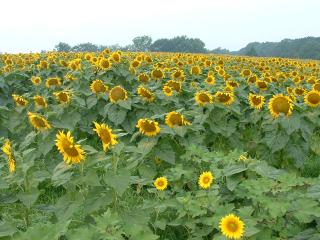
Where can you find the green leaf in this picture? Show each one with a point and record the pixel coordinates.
(146, 144)
(29, 198)
(116, 115)
(61, 174)
(234, 169)
(7, 229)
(125, 104)
(118, 182)
(315, 144)
(91, 101)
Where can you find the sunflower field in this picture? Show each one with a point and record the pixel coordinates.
(123, 145)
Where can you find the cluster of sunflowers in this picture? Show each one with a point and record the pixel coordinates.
(182, 82)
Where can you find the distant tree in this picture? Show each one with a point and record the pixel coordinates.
(63, 47)
(252, 52)
(220, 50)
(142, 43)
(179, 44)
(85, 47)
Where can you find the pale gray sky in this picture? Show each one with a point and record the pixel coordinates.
(34, 25)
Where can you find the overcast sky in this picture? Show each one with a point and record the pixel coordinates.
(35, 25)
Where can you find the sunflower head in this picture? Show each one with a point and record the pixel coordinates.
(316, 86)
(116, 57)
(195, 70)
(7, 148)
(97, 86)
(105, 133)
(19, 100)
(299, 91)
(280, 104)
(143, 77)
(168, 91)
(232, 227)
(71, 152)
(36, 80)
(203, 97)
(145, 94)
(176, 119)
(157, 74)
(40, 101)
(210, 80)
(205, 180)
(105, 64)
(245, 72)
(175, 85)
(38, 122)
(148, 127)
(262, 85)
(161, 183)
(135, 64)
(178, 74)
(63, 97)
(312, 98)
(53, 81)
(226, 98)
(256, 101)
(118, 93)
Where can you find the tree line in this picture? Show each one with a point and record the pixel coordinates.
(308, 48)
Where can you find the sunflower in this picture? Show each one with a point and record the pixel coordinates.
(40, 101)
(280, 104)
(53, 81)
(105, 64)
(38, 122)
(19, 100)
(161, 183)
(205, 180)
(252, 79)
(210, 80)
(145, 94)
(71, 152)
(148, 127)
(203, 97)
(256, 101)
(316, 86)
(312, 98)
(262, 85)
(135, 64)
(195, 70)
(116, 57)
(143, 77)
(176, 119)
(7, 150)
(232, 227)
(168, 91)
(117, 93)
(231, 83)
(226, 98)
(175, 85)
(245, 73)
(299, 91)
(221, 72)
(36, 80)
(43, 65)
(97, 86)
(105, 133)
(178, 74)
(157, 74)
(63, 96)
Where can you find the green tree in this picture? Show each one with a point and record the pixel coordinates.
(142, 43)
(63, 47)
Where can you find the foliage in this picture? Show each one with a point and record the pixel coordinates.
(265, 169)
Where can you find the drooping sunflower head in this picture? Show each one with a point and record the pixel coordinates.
(36, 80)
(312, 98)
(118, 93)
(105, 64)
(19, 100)
(157, 74)
(226, 98)
(105, 133)
(176, 119)
(203, 97)
(63, 97)
(71, 152)
(145, 94)
(143, 77)
(280, 104)
(175, 85)
(262, 85)
(210, 80)
(256, 101)
(38, 122)
(97, 86)
(161, 183)
(232, 227)
(168, 91)
(195, 70)
(40, 101)
(148, 127)
(53, 81)
(205, 180)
